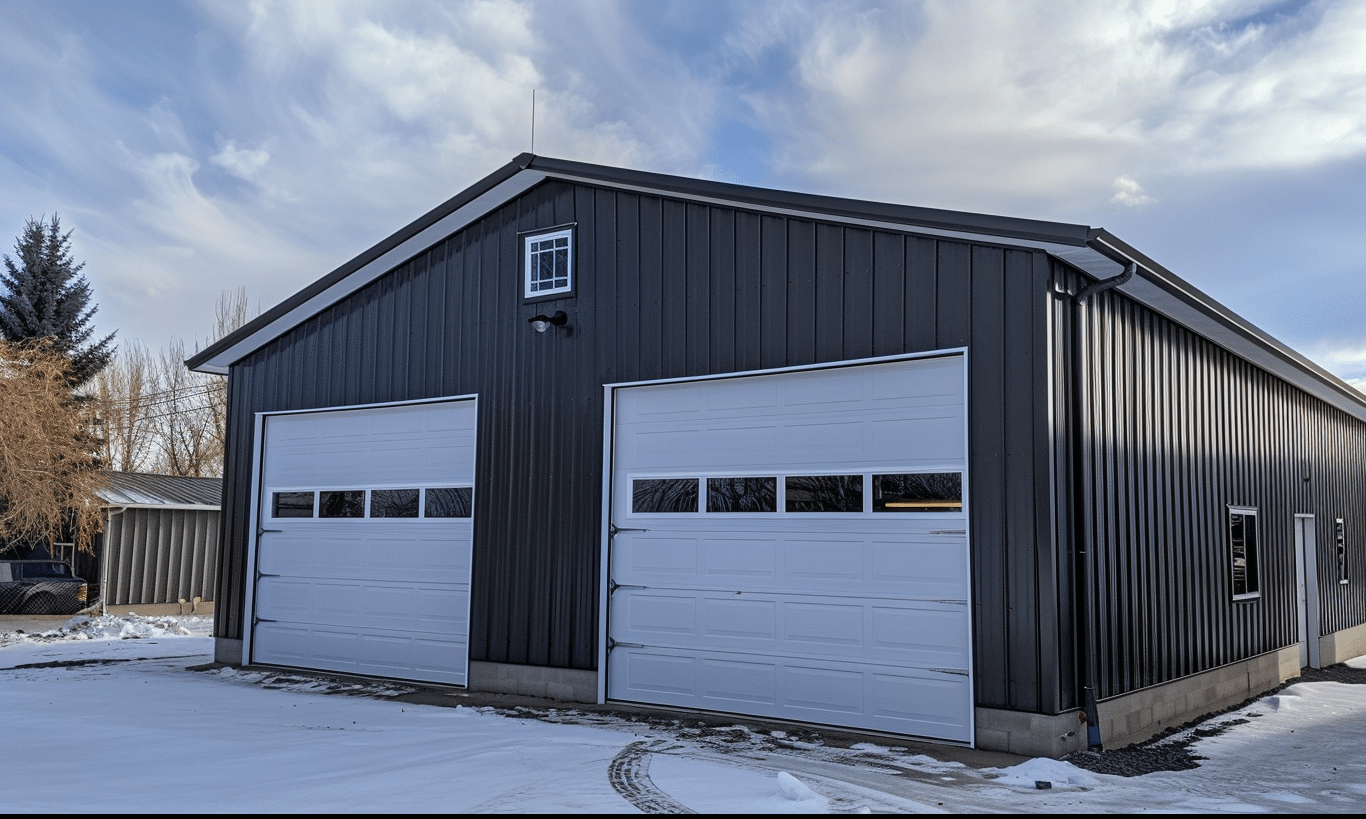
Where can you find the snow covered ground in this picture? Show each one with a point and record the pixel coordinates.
(106, 715)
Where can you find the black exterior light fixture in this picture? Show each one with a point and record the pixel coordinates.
(543, 322)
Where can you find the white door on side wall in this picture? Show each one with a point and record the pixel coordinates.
(794, 545)
(366, 524)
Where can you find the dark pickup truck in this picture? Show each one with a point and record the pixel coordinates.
(40, 587)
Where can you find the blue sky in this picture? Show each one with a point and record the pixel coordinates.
(195, 147)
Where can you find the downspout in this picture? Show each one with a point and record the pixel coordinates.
(1082, 535)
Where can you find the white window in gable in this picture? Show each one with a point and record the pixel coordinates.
(549, 263)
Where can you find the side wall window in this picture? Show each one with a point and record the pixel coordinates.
(1242, 535)
(1340, 544)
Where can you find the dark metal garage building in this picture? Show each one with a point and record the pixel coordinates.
(602, 435)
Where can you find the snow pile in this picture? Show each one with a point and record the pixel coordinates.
(108, 627)
(794, 790)
(1054, 772)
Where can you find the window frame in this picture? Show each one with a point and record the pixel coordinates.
(703, 479)
(528, 238)
(272, 505)
(1340, 549)
(367, 504)
(1252, 577)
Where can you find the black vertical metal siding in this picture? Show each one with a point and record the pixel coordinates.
(1179, 429)
(667, 288)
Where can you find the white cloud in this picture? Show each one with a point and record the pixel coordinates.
(1344, 356)
(241, 162)
(1051, 101)
(1129, 193)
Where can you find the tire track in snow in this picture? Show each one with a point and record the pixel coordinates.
(629, 775)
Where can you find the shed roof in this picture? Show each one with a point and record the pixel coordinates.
(146, 489)
(1094, 251)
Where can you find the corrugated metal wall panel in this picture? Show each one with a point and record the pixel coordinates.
(1180, 429)
(992, 615)
(160, 555)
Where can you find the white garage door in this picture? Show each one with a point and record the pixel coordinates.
(795, 546)
(363, 560)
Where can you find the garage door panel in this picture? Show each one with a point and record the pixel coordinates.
(389, 606)
(784, 443)
(742, 443)
(935, 703)
(731, 619)
(372, 446)
(665, 445)
(744, 394)
(851, 618)
(430, 658)
(933, 568)
(653, 675)
(827, 439)
(731, 679)
(804, 396)
(751, 560)
(924, 635)
(440, 555)
(920, 567)
(880, 698)
(941, 438)
(932, 380)
(659, 557)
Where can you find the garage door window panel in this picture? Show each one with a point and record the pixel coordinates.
(823, 493)
(349, 503)
(930, 492)
(291, 505)
(394, 503)
(664, 495)
(449, 502)
(759, 494)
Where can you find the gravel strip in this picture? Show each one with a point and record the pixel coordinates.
(1171, 750)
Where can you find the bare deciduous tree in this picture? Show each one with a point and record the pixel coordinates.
(192, 413)
(49, 475)
(161, 417)
(126, 392)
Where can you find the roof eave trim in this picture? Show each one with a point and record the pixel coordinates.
(1112, 247)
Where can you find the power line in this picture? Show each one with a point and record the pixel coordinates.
(168, 396)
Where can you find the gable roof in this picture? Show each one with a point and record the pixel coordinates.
(1094, 251)
(147, 489)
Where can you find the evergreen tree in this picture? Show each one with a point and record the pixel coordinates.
(48, 298)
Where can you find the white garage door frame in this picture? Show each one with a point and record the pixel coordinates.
(962, 735)
(258, 517)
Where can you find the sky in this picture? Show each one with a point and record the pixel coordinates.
(194, 148)
(127, 714)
